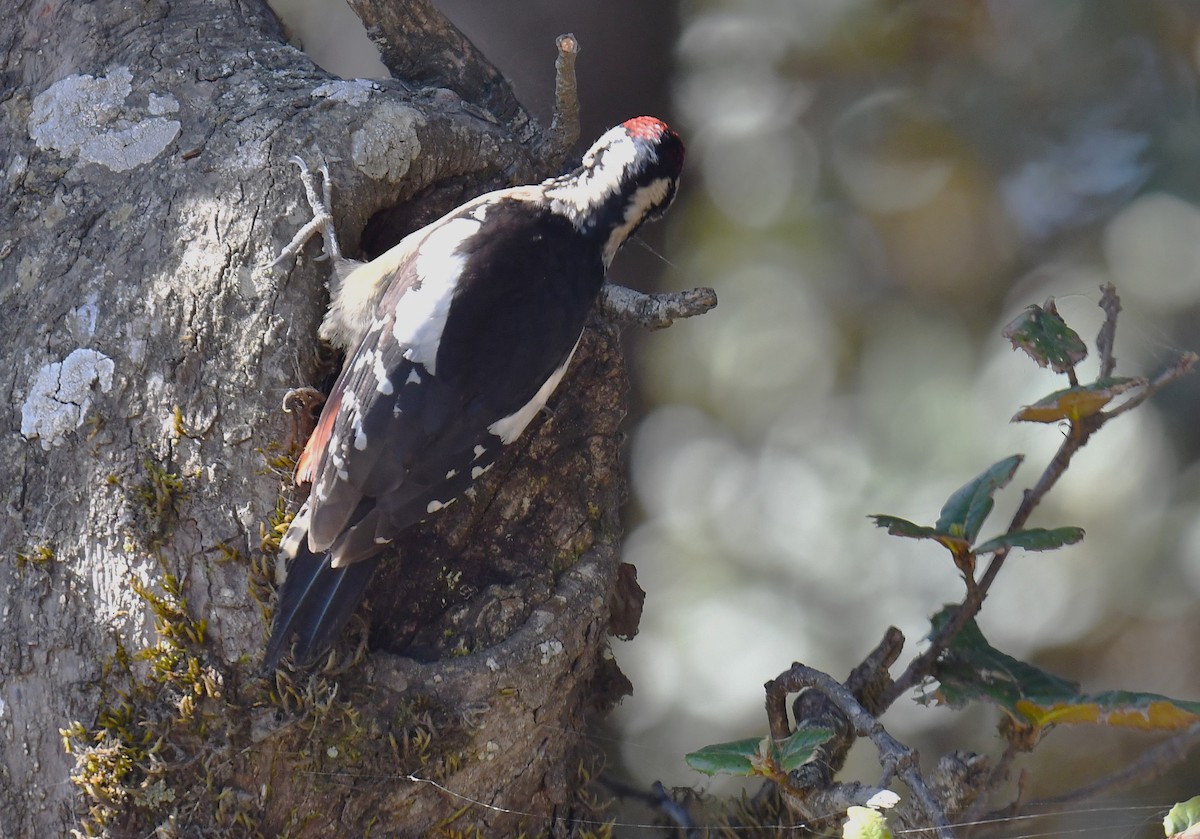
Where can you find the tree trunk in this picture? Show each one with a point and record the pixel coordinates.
(149, 344)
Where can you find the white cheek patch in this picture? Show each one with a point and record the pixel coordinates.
(510, 427)
(422, 310)
(644, 200)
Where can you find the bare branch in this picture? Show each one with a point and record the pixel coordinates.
(1182, 366)
(896, 757)
(654, 311)
(1106, 340)
(417, 43)
(1018, 741)
(837, 798)
(564, 128)
(1152, 764)
(870, 681)
(675, 811)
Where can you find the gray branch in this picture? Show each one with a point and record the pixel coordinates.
(654, 311)
(564, 127)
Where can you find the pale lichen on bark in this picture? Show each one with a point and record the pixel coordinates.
(90, 117)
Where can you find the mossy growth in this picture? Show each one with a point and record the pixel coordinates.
(162, 740)
(39, 557)
(153, 499)
(261, 574)
(278, 460)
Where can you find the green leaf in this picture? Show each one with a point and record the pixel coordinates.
(971, 669)
(903, 527)
(865, 823)
(1046, 338)
(907, 529)
(1034, 539)
(967, 509)
(1183, 815)
(737, 758)
(799, 749)
(1075, 403)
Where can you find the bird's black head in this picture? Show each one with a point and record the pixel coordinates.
(659, 155)
(628, 176)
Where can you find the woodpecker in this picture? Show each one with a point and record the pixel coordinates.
(455, 340)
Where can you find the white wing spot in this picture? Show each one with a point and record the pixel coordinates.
(476, 471)
(414, 378)
(451, 474)
(479, 452)
(360, 439)
(339, 464)
(384, 384)
(434, 506)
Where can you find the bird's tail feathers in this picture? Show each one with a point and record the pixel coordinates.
(315, 602)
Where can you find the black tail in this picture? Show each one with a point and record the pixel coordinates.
(315, 602)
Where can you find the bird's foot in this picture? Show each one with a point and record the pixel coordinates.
(303, 405)
(322, 220)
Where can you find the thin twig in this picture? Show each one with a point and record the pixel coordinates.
(1151, 764)
(838, 798)
(1182, 366)
(1106, 339)
(895, 756)
(868, 682)
(654, 311)
(658, 799)
(922, 665)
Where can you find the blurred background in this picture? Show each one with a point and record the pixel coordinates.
(874, 189)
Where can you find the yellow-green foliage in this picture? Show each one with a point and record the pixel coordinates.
(153, 500)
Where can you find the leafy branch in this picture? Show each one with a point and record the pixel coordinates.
(832, 715)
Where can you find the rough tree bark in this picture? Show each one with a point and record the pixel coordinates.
(148, 345)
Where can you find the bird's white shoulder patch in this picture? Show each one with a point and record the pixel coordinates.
(421, 312)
